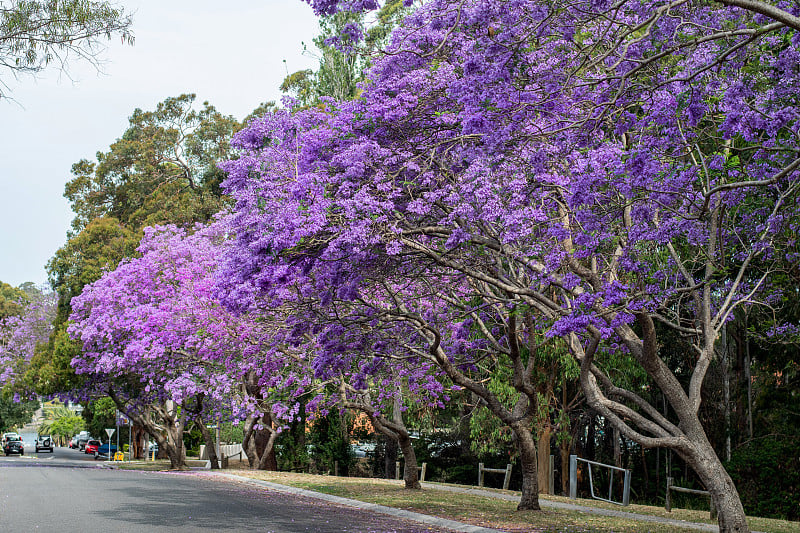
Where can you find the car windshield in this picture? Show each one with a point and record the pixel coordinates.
(14, 438)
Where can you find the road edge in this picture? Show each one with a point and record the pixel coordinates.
(391, 511)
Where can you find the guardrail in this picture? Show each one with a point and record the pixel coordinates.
(420, 469)
(573, 480)
(668, 499)
(506, 471)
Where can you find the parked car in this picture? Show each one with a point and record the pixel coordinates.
(91, 446)
(44, 442)
(9, 434)
(363, 449)
(102, 450)
(83, 438)
(13, 444)
(73, 442)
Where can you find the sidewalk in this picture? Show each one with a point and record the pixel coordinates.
(458, 526)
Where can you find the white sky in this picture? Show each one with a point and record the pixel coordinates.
(229, 53)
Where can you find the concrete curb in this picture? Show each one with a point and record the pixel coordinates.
(391, 511)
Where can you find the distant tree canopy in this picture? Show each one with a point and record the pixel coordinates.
(162, 169)
(10, 298)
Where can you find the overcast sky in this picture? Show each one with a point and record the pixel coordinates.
(229, 53)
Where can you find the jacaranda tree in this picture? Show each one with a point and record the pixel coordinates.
(611, 170)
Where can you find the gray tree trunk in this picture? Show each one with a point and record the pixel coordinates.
(528, 458)
(730, 513)
(410, 472)
(210, 444)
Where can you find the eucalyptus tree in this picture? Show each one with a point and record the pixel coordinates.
(37, 33)
(162, 170)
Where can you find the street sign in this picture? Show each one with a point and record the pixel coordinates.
(109, 432)
(122, 419)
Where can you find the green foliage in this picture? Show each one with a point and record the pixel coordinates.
(329, 442)
(10, 300)
(767, 473)
(61, 422)
(14, 414)
(100, 414)
(193, 439)
(291, 451)
(50, 370)
(37, 33)
(300, 85)
(339, 72)
(488, 436)
(389, 16)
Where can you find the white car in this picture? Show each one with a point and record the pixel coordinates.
(44, 442)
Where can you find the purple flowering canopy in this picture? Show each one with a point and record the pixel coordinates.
(20, 334)
(614, 169)
(154, 333)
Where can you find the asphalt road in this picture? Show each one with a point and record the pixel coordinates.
(68, 491)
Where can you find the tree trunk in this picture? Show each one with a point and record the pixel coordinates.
(527, 454)
(210, 444)
(265, 444)
(176, 451)
(266, 455)
(730, 513)
(259, 444)
(390, 457)
(543, 457)
(410, 472)
(138, 446)
(249, 442)
(565, 449)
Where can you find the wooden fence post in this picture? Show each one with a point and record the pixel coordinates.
(507, 479)
(573, 477)
(667, 501)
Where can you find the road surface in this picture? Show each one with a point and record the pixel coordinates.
(70, 491)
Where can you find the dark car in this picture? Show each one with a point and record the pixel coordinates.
(44, 442)
(13, 444)
(91, 446)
